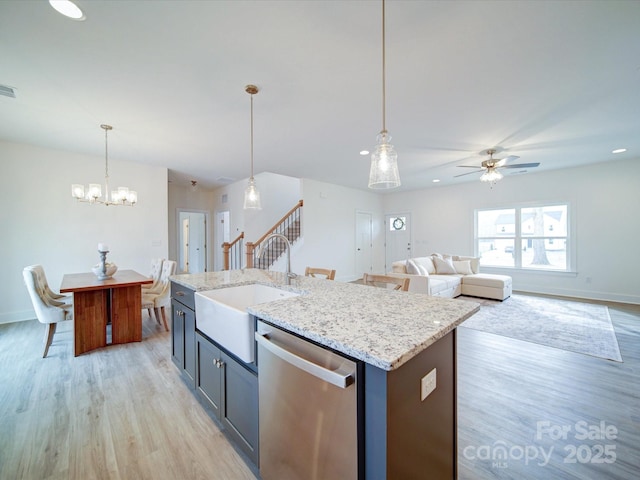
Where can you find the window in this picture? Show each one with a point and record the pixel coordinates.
(397, 223)
(531, 237)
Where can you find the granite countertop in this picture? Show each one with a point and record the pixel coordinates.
(384, 328)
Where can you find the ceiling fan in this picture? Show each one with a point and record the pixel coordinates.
(489, 167)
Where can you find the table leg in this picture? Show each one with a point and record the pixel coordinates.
(89, 320)
(126, 314)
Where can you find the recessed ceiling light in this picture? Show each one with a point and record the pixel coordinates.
(435, 180)
(619, 150)
(364, 152)
(68, 9)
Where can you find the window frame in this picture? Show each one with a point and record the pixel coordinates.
(518, 238)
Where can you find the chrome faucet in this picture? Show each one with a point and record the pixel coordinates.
(289, 273)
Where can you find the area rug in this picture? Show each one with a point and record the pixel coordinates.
(574, 326)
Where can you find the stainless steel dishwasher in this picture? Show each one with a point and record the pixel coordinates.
(308, 409)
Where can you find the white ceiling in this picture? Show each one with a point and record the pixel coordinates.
(555, 82)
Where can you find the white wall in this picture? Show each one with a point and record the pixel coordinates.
(604, 200)
(329, 229)
(183, 198)
(43, 224)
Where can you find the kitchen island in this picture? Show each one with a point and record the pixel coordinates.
(406, 345)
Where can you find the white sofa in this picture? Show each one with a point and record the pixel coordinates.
(451, 275)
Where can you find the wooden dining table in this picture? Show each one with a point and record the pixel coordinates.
(99, 304)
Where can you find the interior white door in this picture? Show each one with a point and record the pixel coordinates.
(364, 248)
(397, 238)
(222, 234)
(184, 246)
(192, 242)
(197, 243)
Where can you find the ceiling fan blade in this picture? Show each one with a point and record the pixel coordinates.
(503, 161)
(468, 173)
(468, 166)
(522, 165)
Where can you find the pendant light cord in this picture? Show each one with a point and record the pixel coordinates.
(384, 95)
(252, 136)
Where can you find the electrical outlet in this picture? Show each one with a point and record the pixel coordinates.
(427, 384)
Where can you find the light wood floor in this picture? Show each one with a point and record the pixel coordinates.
(123, 412)
(507, 386)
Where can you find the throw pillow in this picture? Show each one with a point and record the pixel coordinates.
(426, 263)
(475, 262)
(444, 267)
(415, 269)
(463, 267)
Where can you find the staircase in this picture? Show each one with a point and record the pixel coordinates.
(288, 225)
(276, 247)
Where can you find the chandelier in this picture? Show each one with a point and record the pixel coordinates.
(93, 194)
(384, 160)
(251, 193)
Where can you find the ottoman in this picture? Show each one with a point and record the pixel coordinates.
(487, 285)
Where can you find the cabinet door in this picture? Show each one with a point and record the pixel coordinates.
(240, 406)
(177, 333)
(208, 374)
(189, 346)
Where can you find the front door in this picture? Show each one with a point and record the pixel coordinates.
(397, 238)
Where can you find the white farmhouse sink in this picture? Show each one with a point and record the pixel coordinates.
(221, 314)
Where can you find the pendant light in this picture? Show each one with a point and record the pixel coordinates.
(93, 195)
(384, 160)
(251, 194)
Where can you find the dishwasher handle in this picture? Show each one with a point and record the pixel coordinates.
(338, 379)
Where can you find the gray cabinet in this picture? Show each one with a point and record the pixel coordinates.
(230, 391)
(183, 330)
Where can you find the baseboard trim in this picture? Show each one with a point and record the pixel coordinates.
(17, 316)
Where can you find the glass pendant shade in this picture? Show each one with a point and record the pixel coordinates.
(95, 191)
(384, 164)
(77, 191)
(251, 193)
(252, 196)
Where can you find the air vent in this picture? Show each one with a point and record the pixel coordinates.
(225, 198)
(7, 91)
(225, 180)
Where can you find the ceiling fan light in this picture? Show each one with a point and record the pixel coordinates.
(491, 175)
(384, 164)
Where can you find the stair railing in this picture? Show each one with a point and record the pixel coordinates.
(232, 253)
(288, 225)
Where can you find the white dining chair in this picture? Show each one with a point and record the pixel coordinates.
(47, 312)
(57, 299)
(154, 274)
(161, 299)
